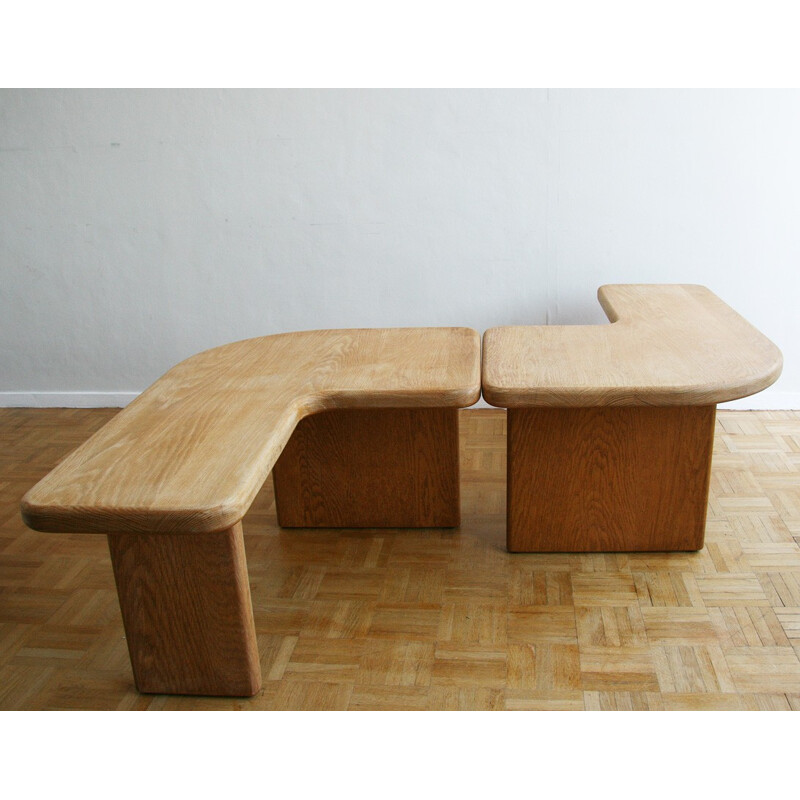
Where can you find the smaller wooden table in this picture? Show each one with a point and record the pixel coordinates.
(611, 427)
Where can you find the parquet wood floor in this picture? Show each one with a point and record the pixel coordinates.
(439, 619)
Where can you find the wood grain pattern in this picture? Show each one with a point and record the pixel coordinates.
(444, 619)
(668, 345)
(610, 479)
(190, 454)
(370, 468)
(188, 617)
(610, 426)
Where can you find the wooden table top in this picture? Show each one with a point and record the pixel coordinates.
(668, 345)
(192, 451)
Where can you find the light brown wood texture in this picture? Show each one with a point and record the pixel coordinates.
(608, 478)
(609, 424)
(188, 617)
(190, 453)
(438, 619)
(371, 468)
(668, 345)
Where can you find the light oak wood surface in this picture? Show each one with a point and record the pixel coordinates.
(667, 345)
(371, 468)
(190, 454)
(609, 437)
(185, 603)
(192, 451)
(438, 619)
(608, 479)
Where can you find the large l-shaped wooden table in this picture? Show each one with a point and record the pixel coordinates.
(169, 479)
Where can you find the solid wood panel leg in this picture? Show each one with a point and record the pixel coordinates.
(188, 617)
(371, 468)
(608, 479)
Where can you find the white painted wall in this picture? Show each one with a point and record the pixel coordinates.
(139, 227)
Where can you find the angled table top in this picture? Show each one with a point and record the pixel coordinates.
(667, 345)
(192, 451)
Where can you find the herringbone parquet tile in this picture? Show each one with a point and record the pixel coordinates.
(440, 619)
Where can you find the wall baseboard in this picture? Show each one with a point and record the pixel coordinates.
(765, 401)
(66, 399)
